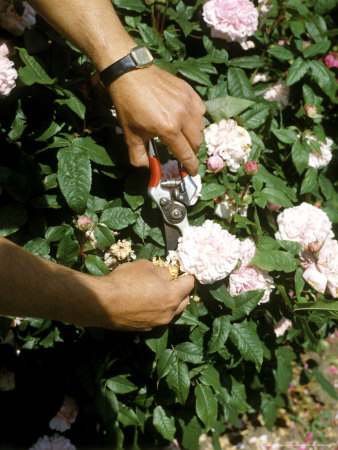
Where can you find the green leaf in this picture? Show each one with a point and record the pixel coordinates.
(56, 233)
(245, 303)
(96, 266)
(118, 218)
(148, 251)
(74, 177)
(68, 251)
(297, 70)
(220, 332)
(141, 228)
(291, 246)
(310, 181)
(239, 85)
(226, 107)
(318, 48)
(95, 152)
(103, 235)
(52, 129)
(164, 363)
(299, 282)
(275, 260)
(222, 295)
(326, 187)
(134, 201)
(120, 384)
(73, 103)
(178, 380)
(191, 432)
(300, 156)
(19, 124)
(192, 71)
(285, 135)
(324, 78)
(244, 336)
(283, 375)
(316, 27)
(32, 72)
(317, 306)
(212, 190)
(158, 343)
(157, 235)
(164, 425)
(189, 352)
(12, 217)
(274, 195)
(38, 246)
(280, 53)
(206, 405)
(107, 406)
(128, 417)
(269, 409)
(247, 62)
(131, 5)
(325, 383)
(255, 116)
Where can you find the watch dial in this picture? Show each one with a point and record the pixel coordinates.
(142, 56)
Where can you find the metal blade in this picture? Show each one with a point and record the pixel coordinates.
(171, 236)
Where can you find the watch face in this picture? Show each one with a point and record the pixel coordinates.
(141, 56)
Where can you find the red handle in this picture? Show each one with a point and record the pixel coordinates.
(155, 171)
(183, 172)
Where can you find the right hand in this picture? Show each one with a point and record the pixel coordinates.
(140, 296)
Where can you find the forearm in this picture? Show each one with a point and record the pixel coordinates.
(92, 26)
(32, 286)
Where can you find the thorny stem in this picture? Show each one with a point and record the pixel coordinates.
(244, 192)
(163, 18)
(269, 31)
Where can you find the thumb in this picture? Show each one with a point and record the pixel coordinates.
(137, 149)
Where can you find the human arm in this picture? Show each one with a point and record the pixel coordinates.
(150, 102)
(136, 296)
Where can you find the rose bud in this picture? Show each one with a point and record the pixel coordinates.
(317, 204)
(84, 223)
(251, 168)
(273, 206)
(311, 111)
(215, 163)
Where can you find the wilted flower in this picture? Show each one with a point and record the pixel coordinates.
(251, 168)
(226, 207)
(170, 170)
(315, 159)
(120, 251)
(65, 416)
(247, 45)
(7, 380)
(208, 252)
(12, 22)
(278, 92)
(230, 141)
(261, 77)
(311, 111)
(282, 326)
(8, 75)
(264, 6)
(6, 48)
(321, 269)
(55, 442)
(304, 224)
(84, 223)
(215, 163)
(331, 60)
(232, 20)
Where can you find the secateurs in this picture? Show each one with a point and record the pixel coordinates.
(171, 196)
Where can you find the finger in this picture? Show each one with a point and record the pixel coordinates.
(164, 273)
(184, 285)
(182, 306)
(182, 150)
(137, 150)
(192, 133)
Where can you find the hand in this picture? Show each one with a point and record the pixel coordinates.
(140, 296)
(152, 102)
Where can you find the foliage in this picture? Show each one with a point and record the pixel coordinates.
(62, 158)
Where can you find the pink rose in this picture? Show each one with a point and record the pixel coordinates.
(278, 92)
(316, 160)
(12, 22)
(282, 326)
(6, 48)
(232, 20)
(215, 163)
(281, 42)
(250, 278)
(55, 442)
(65, 416)
(331, 60)
(8, 75)
(251, 168)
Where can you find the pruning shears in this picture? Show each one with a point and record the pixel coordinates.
(172, 197)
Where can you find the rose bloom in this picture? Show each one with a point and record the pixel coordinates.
(230, 141)
(215, 163)
(12, 22)
(282, 326)
(315, 159)
(227, 207)
(170, 170)
(305, 224)
(55, 442)
(8, 75)
(209, 252)
(278, 92)
(331, 60)
(232, 20)
(65, 416)
(261, 77)
(321, 270)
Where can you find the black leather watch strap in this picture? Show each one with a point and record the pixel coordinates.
(117, 69)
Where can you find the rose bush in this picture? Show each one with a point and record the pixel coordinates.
(270, 254)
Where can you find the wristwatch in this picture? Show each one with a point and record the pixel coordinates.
(138, 58)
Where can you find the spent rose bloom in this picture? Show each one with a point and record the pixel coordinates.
(65, 416)
(55, 442)
(209, 252)
(304, 224)
(226, 207)
(282, 326)
(12, 22)
(311, 111)
(8, 75)
(315, 159)
(261, 77)
(264, 6)
(232, 20)
(7, 380)
(278, 92)
(230, 141)
(321, 269)
(215, 163)
(170, 170)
